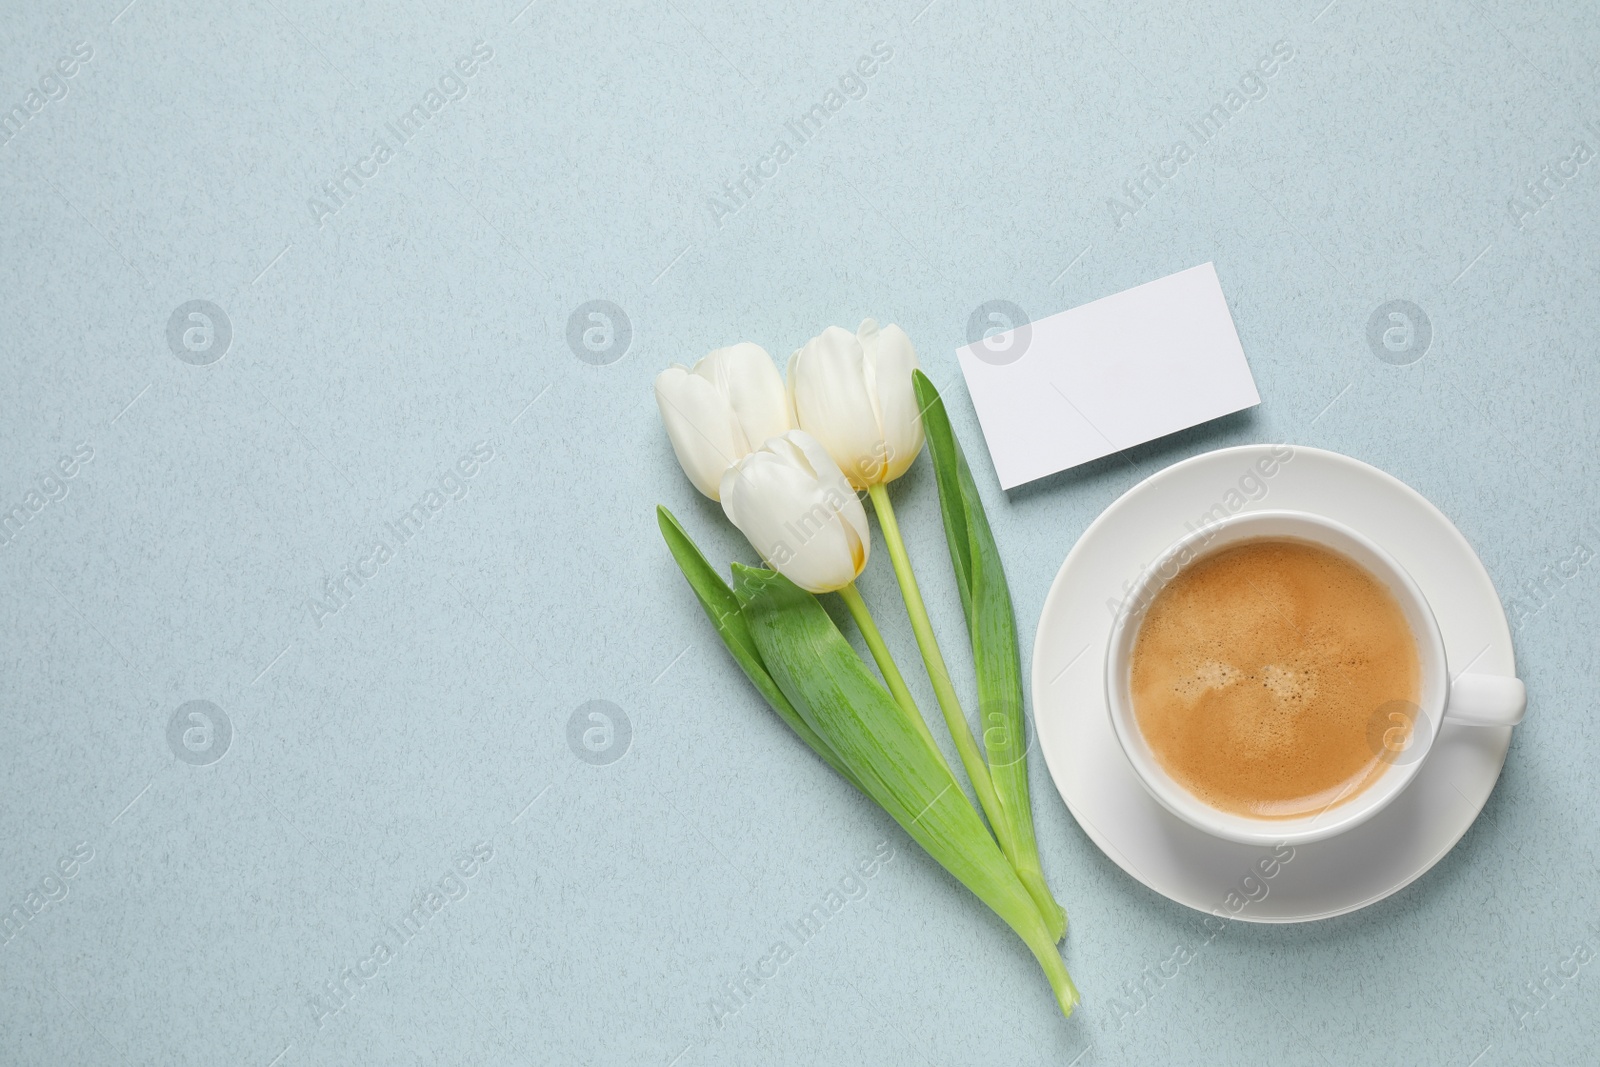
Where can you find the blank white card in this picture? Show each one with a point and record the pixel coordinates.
(1115, 373)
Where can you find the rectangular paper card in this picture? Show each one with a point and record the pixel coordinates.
(1114, 373)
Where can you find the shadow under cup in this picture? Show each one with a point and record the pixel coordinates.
(1399, 734)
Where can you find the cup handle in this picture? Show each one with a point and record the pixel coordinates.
(1486, 700)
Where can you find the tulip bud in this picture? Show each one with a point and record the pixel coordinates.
(793, 503)
(719, 410)
(853, 393)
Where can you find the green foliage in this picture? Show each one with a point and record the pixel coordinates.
(722, 608)
(992, 628)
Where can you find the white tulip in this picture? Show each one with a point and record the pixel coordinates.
(793, 503)
(853, 393)
(720, 410)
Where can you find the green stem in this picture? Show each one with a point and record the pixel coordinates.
(1021, 912)
(1032, 876)
(939, 675)
(886, 665)
(1056, 972)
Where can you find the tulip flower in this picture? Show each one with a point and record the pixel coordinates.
(797, 509)
(787, 463)
(790, 499)
(720, 410)
(853, 393)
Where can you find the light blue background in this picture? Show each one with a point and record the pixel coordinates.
(427, 315)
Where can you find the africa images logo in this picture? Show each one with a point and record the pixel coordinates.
(395, 934)
(52, 86)
(48, 488)
(454, 484)
(452, 85)
(49, 891)
(1152, 177)
(802, 129)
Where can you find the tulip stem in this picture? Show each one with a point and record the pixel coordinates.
(886, 665)
(939, 675)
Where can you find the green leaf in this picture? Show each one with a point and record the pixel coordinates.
(992, 628)
(947, 461)
(844, 703)
(722, 608)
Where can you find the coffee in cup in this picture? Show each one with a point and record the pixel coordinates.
(1293, 683)
(1256, 671)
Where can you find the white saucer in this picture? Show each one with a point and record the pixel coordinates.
(1181, 863)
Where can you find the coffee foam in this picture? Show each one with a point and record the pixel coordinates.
(1257, 669)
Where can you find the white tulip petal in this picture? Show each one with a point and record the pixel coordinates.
(828, 474)
(789, 376)
(746, 375)
(799, 523)
(700, 427)
(892, 358)
(832, 401)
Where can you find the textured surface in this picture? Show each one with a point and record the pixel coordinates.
(359, 355)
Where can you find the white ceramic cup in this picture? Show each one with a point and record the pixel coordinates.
(1401, 736)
